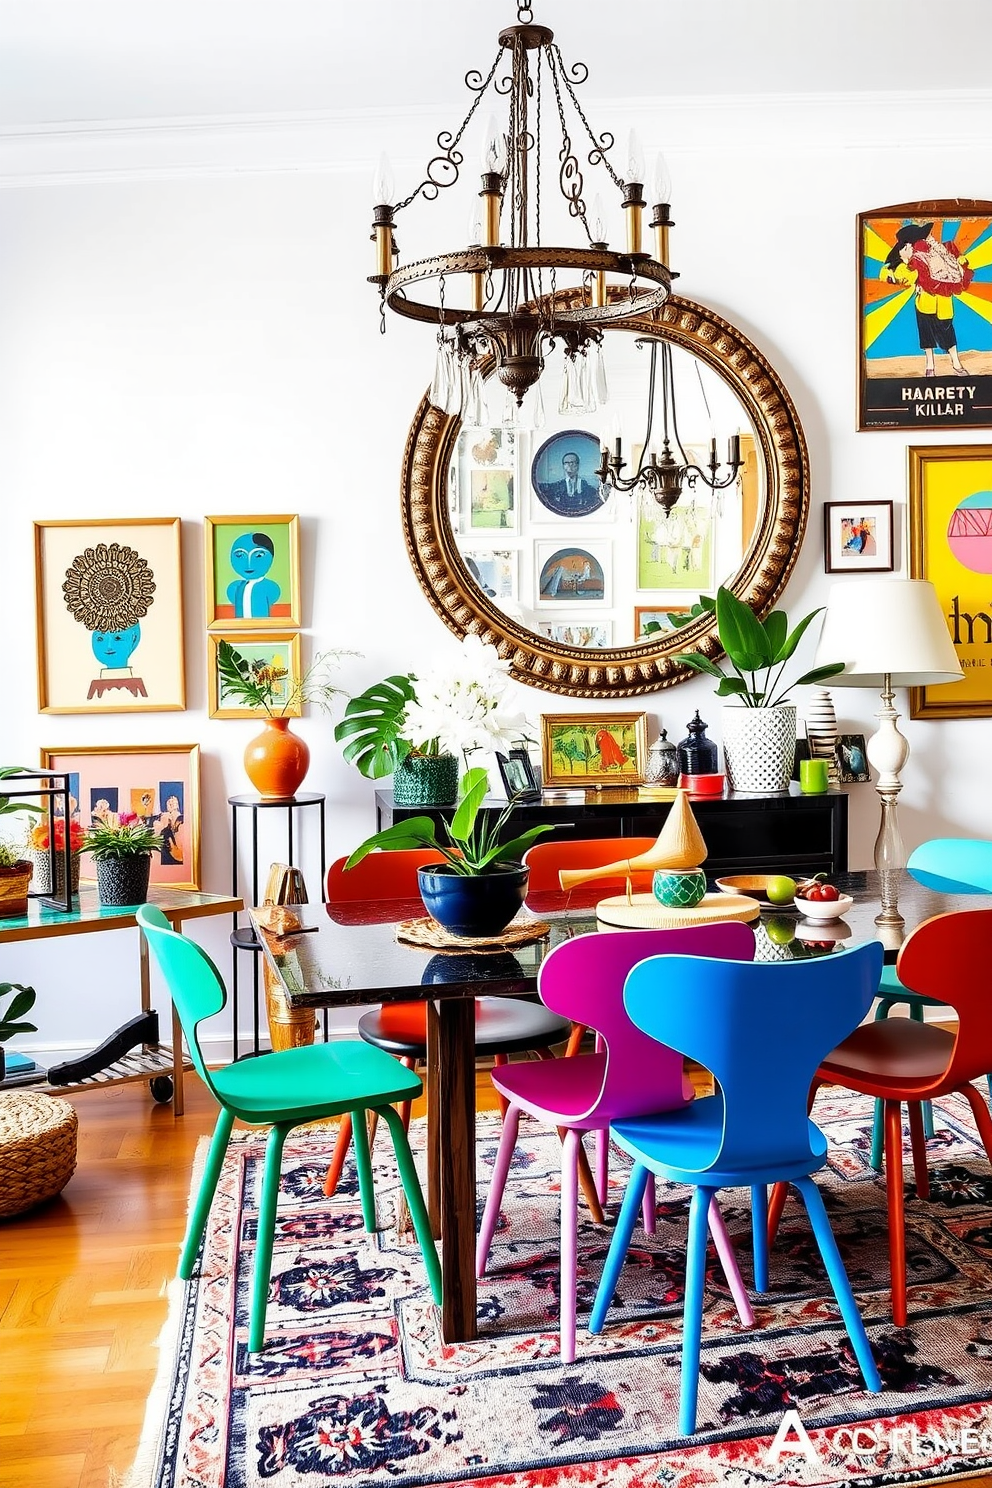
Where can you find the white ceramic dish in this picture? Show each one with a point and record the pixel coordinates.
(824, 910)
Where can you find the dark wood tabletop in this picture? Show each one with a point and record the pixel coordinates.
(349, 956)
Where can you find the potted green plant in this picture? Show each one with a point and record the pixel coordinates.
(122, 848)
(15, 868)
(276, 760)
(21, 1001)
(759, 725)
(481, 883)
(415, 728)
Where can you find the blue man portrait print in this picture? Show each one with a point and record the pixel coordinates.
(252, 594)
(564, 476)
(109, 589)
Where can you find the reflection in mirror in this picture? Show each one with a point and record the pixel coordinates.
(515, 535)
(564, 553)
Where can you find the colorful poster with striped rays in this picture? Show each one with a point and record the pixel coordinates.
(925, 316)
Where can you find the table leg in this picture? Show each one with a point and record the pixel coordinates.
(451, 1113)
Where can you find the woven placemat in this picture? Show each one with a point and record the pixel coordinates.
(643, 912)
(428, 933)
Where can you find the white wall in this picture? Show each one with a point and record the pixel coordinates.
(185, 329)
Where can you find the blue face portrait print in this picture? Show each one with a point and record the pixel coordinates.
(251, 593)
(114, 648)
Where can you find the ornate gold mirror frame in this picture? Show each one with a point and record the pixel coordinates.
(624, 671)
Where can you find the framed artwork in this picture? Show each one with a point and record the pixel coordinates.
(595, 636)
(158, 782)
(563, 474)
(925, 316)
(950, 543)
(572, 575)
(494, 570)
(263, 648)
(645, 615)
(852, 760)
(675, 549)
(252, 567)
(491, 500)
(593, 748)
(857, 537)
(109, 616)
(517, 772)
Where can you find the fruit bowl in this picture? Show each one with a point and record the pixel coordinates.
(823, 910)
(755, 886)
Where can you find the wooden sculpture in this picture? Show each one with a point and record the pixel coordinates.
(680, 845)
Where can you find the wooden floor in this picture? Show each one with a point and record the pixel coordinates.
(82, 1291)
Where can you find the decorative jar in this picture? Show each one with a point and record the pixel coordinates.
(663, 762)
(698, 755)
(277, 760)
(679, 888)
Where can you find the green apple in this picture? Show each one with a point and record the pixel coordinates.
(780, 890)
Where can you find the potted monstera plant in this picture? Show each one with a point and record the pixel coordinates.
(481, 883)
(759, 722)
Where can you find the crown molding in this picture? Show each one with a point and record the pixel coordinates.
(332, 142)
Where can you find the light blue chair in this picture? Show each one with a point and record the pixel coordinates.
(949, 865)
(761, 1029)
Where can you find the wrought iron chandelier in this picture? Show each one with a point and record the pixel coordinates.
(665, 476)
(505, 295)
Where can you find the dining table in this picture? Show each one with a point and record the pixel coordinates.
(349, 956)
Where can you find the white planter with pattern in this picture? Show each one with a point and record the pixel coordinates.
(759, 746)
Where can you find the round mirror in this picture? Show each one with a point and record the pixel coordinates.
(515, 535)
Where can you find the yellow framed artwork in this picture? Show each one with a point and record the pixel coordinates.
(109, 614)
(950, 543)
(275, 651)
(593, 748)
(252, 568)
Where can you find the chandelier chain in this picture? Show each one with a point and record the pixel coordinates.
(600, 143)
(525, 13)
(570, 179)
(443, 169)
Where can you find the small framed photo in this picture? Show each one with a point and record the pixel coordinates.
(492, 504)
(519, 780)
(645, 615)
(857, 537)
(279, 654)
(572, 575)
(563, 475)
(252, 567)
(109, 616)
(802, 753)
(160, 783)
(593, 748)
(493, 569)
(852, 759)
(596, 635)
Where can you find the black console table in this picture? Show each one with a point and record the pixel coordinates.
(782, 831)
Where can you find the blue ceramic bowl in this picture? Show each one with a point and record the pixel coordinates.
(482, 904)
(677, 888)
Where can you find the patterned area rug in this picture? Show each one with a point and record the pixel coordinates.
(355, 1387)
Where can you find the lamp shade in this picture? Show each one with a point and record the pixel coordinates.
(893, 627)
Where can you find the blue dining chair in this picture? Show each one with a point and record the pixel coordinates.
(761, 1029)
(949, 865)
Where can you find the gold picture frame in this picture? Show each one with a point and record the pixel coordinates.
(593, 749)
(950, 523)
(160, 782)
(109, 616)
(273, 593)
(262, 646)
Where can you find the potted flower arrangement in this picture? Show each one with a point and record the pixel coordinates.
(481, 884)
(414, 728)
(122, 848)
(39, 844)
(15, 868)
(759, 726)
(22, 1000)
(276, 760)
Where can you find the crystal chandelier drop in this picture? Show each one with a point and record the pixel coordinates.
(507, 295)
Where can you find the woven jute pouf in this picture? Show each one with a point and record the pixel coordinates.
(37, 1149)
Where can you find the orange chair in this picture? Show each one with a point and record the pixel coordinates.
(503, 1025)
(545, 859)
(899, 1060)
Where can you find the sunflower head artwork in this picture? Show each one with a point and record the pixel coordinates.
(109, 589)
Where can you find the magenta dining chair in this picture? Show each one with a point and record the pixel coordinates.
(631, 1075)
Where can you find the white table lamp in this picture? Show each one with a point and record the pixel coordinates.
(890, 633)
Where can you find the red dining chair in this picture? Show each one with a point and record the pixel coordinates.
(899, 1060)
(503, 1025)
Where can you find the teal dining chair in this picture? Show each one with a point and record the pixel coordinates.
(949, 865)
(283, 1090)
(761, 1029)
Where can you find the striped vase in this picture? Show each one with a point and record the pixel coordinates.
(821, 730)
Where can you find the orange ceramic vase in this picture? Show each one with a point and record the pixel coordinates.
(276, 761)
